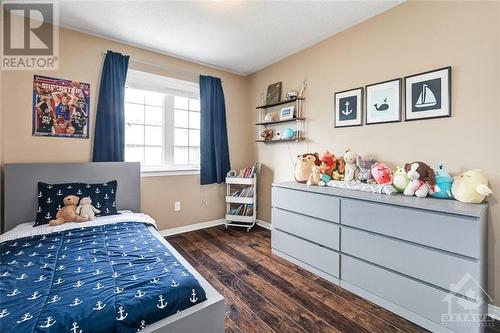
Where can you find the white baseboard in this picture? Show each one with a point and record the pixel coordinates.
(191, 227)
(264, 224)
(494, 311)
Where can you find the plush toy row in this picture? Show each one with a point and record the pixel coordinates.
(73, 213)
(414, 179)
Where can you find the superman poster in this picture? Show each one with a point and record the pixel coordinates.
(60, 107)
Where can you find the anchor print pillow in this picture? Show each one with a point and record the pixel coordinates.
(50, 198)
(103, 197)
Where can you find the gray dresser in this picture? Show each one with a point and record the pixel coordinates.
(424, 259)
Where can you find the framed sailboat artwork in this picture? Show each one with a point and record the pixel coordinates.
(348, 108)
(383, 102)
(428, 95)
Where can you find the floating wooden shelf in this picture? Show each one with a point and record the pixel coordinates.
(280, 103)
(280, 121)
(281, 140)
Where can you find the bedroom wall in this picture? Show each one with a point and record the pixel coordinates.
(408, 39)
(81, 58)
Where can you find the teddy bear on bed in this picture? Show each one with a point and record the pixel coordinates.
(86, 210)
(68, 212)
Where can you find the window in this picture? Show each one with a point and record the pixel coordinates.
(162, 122)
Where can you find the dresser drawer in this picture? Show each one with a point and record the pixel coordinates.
(314, 255)
(452, 233)
(318, 231)
(424, 300)
(322, 206)
(432, 266)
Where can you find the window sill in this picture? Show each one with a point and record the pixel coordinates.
(168, 172)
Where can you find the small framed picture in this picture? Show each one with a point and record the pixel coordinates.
(428, 95)
(348, 108)
(273, 93)
(287, 113)
(383, 102)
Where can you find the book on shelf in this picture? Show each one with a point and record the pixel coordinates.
(248, 172)
(242, 210)
(246, 192)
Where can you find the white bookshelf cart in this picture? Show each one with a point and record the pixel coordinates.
(241, 220)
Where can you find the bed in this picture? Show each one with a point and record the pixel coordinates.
(115, 273)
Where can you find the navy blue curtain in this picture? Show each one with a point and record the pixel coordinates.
(214, 148)
(109, 134)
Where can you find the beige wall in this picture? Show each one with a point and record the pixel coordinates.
(81, 58)
(411, 38)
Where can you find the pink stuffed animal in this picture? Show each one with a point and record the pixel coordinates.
(382, 173)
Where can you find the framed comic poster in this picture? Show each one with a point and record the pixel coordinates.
(348, 106)
(60, 107)
(428, 95)
(383, 102)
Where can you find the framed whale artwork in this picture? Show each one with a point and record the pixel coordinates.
(428, 95)
(348, 108)
(383, 102)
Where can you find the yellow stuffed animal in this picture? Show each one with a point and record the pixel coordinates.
(471, 187)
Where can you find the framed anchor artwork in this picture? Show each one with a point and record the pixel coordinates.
(428, 94)
(348, 108)
(383, 102)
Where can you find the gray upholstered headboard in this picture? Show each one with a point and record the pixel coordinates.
(20, 185)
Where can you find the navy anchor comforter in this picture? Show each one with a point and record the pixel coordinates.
(106, 278)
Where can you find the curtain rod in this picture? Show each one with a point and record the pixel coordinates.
(166, 68)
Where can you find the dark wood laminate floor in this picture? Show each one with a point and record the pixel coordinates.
(265, 293)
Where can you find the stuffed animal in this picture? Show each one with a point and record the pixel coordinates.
(85, 209)
(351, 169)
(443, 182)
(400, 179)
(471, 187)
(339, 172)
(68, 212)
(315, 177)
(365, 169)
(422, 177)
(328, 165)
(303, 166)
(381, 173)
(267, 134)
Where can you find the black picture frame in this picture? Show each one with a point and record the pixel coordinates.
(273, 94)
(448, 95)
(337, 123)
(400, 96)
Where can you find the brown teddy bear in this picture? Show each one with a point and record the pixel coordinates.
(303, 166)
(68, 212)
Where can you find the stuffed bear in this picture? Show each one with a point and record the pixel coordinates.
(381, 173)
(86, 210)
(422, 177)
(303, 166)
(68, 212)
(400, 179)
(315, 177)
(351, 169)
(365, 169)
(471, 187)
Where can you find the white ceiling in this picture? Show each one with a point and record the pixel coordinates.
(238, 36)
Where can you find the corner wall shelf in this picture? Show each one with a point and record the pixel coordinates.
(264, 123)
(286, 101)
(298, 118)
(282, 140)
